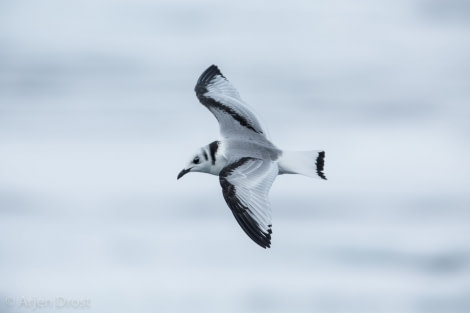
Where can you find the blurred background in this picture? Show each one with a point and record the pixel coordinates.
(98, 115)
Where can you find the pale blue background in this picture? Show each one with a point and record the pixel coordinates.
(98, 115)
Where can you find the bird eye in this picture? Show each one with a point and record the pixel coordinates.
(196, 160)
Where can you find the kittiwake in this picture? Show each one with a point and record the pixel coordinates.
(245, 160)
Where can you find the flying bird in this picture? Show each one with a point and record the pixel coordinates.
(245, 160)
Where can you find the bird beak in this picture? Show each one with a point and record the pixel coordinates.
(183, 172)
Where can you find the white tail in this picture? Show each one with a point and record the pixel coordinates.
(308, 163)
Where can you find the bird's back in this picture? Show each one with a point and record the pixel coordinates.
(236, 148)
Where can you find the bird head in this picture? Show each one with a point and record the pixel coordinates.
(199, 163)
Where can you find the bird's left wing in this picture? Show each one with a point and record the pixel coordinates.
(216, 93)
(245, 186)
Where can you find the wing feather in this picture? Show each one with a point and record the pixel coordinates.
(245, 186)
(216, 93)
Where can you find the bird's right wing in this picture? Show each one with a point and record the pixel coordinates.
(245, 186)
(216, 93)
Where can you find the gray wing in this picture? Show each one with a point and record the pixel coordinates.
(216, 93)
(245, 186)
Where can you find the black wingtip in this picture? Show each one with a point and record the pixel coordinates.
(320, 162)
(206, 78)
(251, 228)
(212, 71)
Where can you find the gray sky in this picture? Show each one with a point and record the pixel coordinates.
(98, 115)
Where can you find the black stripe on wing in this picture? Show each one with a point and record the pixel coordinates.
(241, 212)
(201, 89)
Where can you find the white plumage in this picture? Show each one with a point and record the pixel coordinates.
(245, 160)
